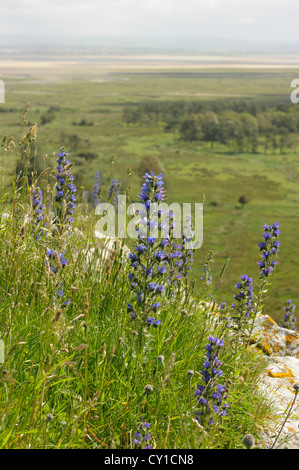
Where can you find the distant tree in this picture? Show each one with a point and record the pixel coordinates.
(210, 132)
(250, 131)
(210, 128)
(243, 200)
(49, 115)
(172, 125)
(74, 142)
(231, 131)
(150, 163)
(277, 118)
(88, 155)
(283, 138)
(189, 130)
(46, 118)
(83, 122)
(131, 116)
(264, 122)
(289, 121)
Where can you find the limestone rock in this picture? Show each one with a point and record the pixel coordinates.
(282, 347)
(274, 340)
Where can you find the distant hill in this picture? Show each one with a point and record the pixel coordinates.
(137, 45)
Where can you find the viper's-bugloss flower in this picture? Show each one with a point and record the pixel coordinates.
(59, 295)
(244, 293)
(289, 320)
(113, 191)
(56, 260)
(242, 309)
(151, 321)
(149, 263)
(95, 199)
(152, 188)
(86, 197)
(211, 395)
(37, 204)
(146, 283)
(38, 211)
(142, 436)
(207, 277)
(65, 189)
(158, 263)
(269, 249)
(181, 254)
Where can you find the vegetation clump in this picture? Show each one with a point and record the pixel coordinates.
(108, 352)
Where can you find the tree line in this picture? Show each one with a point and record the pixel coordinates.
(242, 125)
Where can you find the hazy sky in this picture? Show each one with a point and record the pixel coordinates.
(256, 20)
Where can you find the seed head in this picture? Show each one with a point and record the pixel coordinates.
(245, 375)
(49, 417)
(248, 441)
(148, 389)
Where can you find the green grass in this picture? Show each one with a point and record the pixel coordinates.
(191, 170)
(75, 376)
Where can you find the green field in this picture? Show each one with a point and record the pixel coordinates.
(60, 99)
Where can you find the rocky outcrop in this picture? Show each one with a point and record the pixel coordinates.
(280, 380)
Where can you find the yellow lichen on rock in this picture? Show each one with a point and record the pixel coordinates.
(290, 337)
(280, 375)
(271, 321)
(264, 346)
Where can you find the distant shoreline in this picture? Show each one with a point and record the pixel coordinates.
(66, 65)
(158, 60)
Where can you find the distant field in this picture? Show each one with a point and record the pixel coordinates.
(98, 92)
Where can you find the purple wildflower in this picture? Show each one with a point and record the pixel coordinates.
(180, 254)
(269, 248)
(64, 199)
(152, 188)
(113, 192)
(59, 295)
(95, 199)
(211, 395)
(142, 436)
(56, 259)
(242, 308)
(148, 262)
(38, 211)
(289, 320)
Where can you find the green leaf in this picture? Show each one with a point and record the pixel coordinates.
(224, 268)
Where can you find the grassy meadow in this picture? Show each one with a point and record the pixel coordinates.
(61, 95)
(97, 357)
